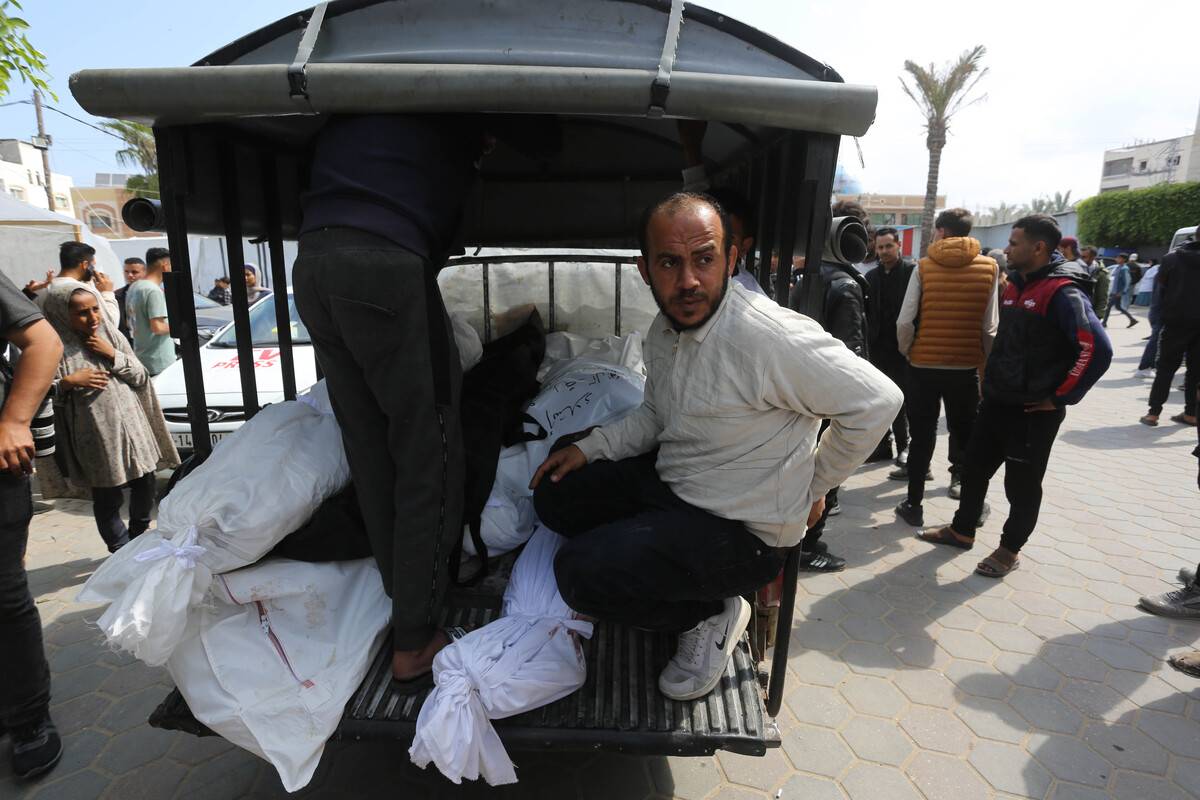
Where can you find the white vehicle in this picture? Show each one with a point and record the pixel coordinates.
(1182, 237)
(222, 381)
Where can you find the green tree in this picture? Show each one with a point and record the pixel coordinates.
(139, 151)
(1140, 217)
(18, 56)
(940, 94)
(997, 215)
(1057, 204)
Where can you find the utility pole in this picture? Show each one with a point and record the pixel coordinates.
(42, 142)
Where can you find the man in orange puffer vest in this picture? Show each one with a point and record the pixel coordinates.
(946, 327)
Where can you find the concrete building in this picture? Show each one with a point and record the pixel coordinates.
(1148, 164)
(1193, 167)
(99, 206)
(22, 177)
(892, 209)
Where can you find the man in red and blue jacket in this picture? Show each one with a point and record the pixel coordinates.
(1050, 349)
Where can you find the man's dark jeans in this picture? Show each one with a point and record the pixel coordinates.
(1150, 353)
(384, 342)
(1021, 441)
(928, 389)
(640, 556)
(24, 673)
(1115, 302)
(1174, 344)
(106, 508)
(895, 366)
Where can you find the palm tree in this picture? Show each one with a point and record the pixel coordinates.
(1002, 213)
(940, 94)
(1052, 205)
(139, 148)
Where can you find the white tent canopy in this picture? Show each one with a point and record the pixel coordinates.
(29, 240)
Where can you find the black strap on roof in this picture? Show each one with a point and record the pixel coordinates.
(297, 81)
(661, 86)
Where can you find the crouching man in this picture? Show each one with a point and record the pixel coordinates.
(692, 500)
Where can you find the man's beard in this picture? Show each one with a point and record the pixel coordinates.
(680, 327)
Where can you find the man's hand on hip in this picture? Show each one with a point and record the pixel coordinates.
(1042, 405)
(558, 464)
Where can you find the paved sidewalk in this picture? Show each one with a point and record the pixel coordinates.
(910, 677)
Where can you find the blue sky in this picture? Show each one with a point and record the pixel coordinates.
(1061, 89)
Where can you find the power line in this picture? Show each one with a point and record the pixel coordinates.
(65, 114)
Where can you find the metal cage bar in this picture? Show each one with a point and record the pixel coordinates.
(282, 298)
(173, 177)
(232, 213)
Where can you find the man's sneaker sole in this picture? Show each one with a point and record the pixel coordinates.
(44, 767)
(1187, 576)
(740, 623)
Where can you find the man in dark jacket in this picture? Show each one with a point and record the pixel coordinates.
(134, 269)
(1179, 287)
(1050, 349)
(886, 285)
(845, 317)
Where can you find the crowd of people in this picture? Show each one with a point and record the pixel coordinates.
(671, 514)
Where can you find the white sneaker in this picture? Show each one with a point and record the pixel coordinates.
(1144, 373)
(703, 651)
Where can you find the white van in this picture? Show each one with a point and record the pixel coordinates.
(1182, 237)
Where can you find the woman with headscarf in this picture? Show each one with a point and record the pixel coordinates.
(110, 425)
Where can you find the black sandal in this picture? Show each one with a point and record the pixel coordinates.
(944, 535)
(992, 567)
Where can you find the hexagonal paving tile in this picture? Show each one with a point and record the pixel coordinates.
(919, 650)
(943, 778)
(817, 750)
(818, 706)
(1011, 638)
(819, 667)
(1148, 691)
(968, 645)
(1074, 662)
(877, 740)
(1045, 710)
(997, 609)
(810, 787)
(866, 629)
(1025, 671)
(1177, 734)
(685, 778)
(1126, 747)
(613, 775)
(1010, 769)
(867, 658)
(873, 781)
(1132, 786)
(873, 696)
(1069, 759)
(936, 729)
(1097, 700)
(992, 719)
(812, 635)
(980, 680)
(762, 773)
(926, 687)
(1120, 655)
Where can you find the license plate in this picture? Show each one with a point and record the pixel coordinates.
(185, 439)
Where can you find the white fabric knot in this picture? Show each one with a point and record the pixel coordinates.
(186, 553)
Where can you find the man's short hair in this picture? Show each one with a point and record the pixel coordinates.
(1041, 228)
(955, 221)
(735, 204)
(156, 254)
(849, 208)
(1123, 255)
(1087, 248)
(1071, 242)
(676, 202)
(135, 260)
(887, 230)
(70, 254)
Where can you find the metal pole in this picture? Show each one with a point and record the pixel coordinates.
(44, 147)
(768, 215)
(231, 208)
(181, 311)
(783, 632)
(283, 300)
(550, 265)
(793, 173)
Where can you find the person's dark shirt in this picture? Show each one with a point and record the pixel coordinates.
(887, 296)
(217, 294)
(123, 323)
(403, 177)
(16, 311)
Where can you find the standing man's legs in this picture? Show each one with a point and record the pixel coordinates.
(960, 395)
(985, 454)
(141, 504)
(895, 366)
(24, 673)
(1025, 462)
(106, 509)
(1150, 353)
(383, 339)
(1173, 345)
(924, 404)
